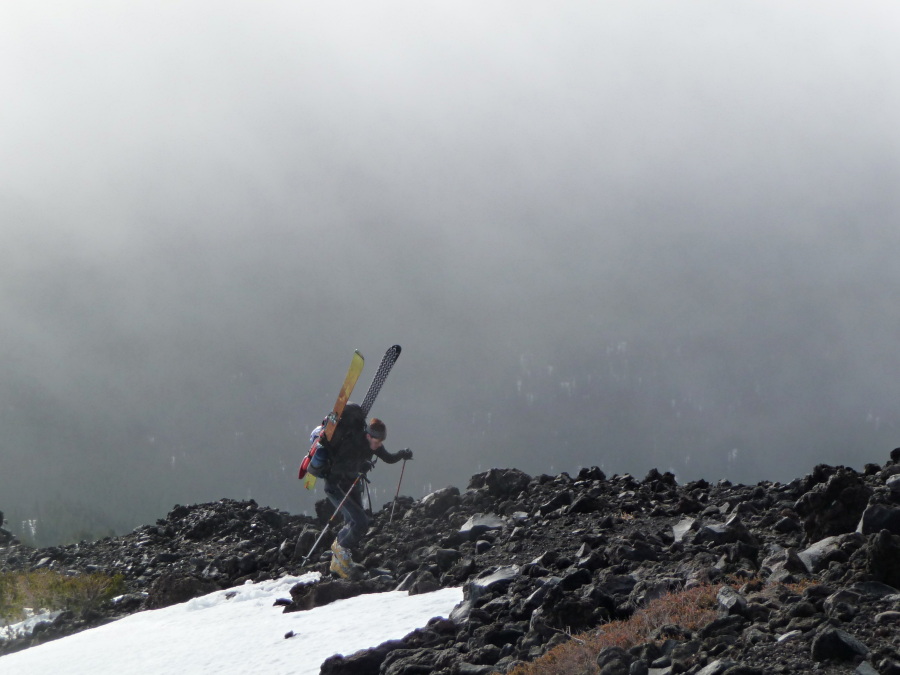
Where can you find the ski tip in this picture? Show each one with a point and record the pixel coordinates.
(396, 348)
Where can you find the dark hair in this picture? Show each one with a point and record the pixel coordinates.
(376, 429)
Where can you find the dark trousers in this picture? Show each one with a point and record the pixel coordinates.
(356, 520)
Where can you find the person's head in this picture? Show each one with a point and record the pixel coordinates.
(376, 432)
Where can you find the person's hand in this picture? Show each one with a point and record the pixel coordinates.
(367, 466)
(406, 453)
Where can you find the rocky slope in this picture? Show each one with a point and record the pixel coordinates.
(812, 569)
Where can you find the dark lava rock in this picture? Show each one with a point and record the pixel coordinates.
(501, 483)
(878, 517)
(309, 596)
(171, 589)
(834, 506)
(806, 574)
(882, 557)
(836, 645)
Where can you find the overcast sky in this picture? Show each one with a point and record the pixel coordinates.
(631, 234)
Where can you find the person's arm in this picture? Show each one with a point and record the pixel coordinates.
(392, 457)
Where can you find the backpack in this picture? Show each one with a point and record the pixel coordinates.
(348, 448)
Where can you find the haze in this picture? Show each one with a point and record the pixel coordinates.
(630, 235)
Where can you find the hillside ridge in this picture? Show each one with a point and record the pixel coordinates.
(814, 568)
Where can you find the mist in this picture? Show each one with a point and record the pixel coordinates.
(626, 235)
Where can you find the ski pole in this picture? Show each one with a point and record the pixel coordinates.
(402, 469)
(368, 499)
(371, 465)
(328, 524)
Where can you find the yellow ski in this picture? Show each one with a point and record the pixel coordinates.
(356, 366)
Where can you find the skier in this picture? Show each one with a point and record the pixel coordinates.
(350, 459)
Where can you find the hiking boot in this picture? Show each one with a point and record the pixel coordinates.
(340, 560)
(356, 572)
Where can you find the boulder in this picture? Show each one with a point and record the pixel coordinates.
(477, 525)
(832, 644)
(878, 517)
(438, 503)
(501, 483)
(835, 506)
(171, 589)
(882, 553)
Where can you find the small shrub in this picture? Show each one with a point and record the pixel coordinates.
(46, 589)
(10, 606)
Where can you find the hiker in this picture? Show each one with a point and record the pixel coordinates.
(350, 455)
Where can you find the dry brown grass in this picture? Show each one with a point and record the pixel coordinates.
(691, 609)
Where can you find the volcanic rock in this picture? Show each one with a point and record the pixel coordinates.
(805, 574)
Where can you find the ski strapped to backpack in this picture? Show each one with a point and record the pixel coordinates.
(387, 362)
(332, 419)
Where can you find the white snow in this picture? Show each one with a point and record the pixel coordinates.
(24, 628)
(234, 632)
